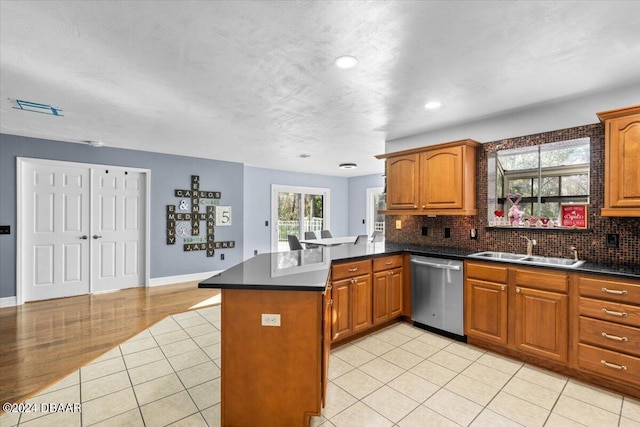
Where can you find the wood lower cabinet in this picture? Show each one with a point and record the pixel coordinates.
(582, 325)
(387, 288)
(541, 323)
(622, 157)
(541, 313)
(351, 295)
(485, 314)
(522, 309)
(608, 338)
(361, 304)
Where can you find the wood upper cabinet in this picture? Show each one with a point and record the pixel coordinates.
(433, 180)
(441, 179)
(402, 182)
(485, 313)
(622, 161)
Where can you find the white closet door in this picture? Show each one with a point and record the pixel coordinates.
(118, 229)
(56, 217)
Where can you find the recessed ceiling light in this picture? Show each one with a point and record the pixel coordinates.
(345, 61)
(432, 105)
(348, 165)
(305, 155)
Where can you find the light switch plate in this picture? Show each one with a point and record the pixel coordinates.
(398, 224)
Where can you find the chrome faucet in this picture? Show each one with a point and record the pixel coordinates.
(530, 244)
(575, 252)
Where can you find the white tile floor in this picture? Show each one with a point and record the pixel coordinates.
(401, 376)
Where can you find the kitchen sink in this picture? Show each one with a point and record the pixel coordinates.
(527, 259)
(508, 256)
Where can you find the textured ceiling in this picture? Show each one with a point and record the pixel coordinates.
(254, 82)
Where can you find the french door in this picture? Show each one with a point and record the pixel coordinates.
(81, 229)
(295, 210)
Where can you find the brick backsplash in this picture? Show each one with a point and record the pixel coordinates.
(591, 243)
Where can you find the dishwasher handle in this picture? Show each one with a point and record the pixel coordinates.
(430, 264)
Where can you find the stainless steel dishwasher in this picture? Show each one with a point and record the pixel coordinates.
(437, 300)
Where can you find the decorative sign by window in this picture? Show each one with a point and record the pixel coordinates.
(184, 219)
(574, 216)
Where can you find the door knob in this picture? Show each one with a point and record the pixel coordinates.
(85, 237)
(95, 236)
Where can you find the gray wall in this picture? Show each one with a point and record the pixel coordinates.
(358, 200)
(257, 202)
(167, 174)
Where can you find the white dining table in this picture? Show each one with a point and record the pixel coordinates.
(331, 241)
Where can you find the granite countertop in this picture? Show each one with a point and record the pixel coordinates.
(308, 270)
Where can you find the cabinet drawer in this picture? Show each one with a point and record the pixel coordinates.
(488, 272)
(541, 279)
(609, 363)
(611, 311)
(623, 291)
(610, 335)
(350, 269)
(387, 262)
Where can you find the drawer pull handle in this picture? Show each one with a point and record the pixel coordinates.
(613, 365)
(614, 337)
(615, 313)
(389, 262)
(352, 270)
(503, 287)
(614, 291)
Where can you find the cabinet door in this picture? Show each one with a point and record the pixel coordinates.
(441, 179)
(361, 307)
(486, 311)
(395, 292)
(402, 180)
(622, 159)
(541, 323)
(380, 297)
(341, 324)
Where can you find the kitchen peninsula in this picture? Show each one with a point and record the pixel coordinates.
(276, 325)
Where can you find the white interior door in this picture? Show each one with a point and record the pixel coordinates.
(82, 228)
(118, 229)
(55, 249)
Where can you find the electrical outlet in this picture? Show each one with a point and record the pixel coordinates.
(222, 257)
(447, 232)
(425, 231)
(255, 252)
(270, 319)
(613, 240)
(474, 233)
(398, 224)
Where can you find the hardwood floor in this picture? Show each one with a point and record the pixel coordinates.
(42, 342)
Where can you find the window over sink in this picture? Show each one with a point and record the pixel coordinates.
(540, 179)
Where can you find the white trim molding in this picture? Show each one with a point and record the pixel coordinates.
(8, 302)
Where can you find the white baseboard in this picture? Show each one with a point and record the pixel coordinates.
(8, 302)
(168, 280)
